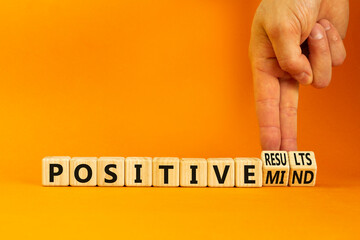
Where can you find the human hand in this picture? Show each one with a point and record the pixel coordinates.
(279, 65)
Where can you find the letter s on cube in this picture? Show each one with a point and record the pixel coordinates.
(303, 168)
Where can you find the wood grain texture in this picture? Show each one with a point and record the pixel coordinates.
(248, 172)
(59, 167)
(275, 168)
(193, 172)
(303, 168)
(221, 172)
(166, 172)
(115, 167)
(138, 171)
(86, 169)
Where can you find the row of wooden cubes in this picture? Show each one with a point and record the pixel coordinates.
(275, 168)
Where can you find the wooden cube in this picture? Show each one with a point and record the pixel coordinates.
(248, 172)
(302, 168)
(275, 168)
(55, 171)
(138, 171)
(110, 171)
(221, 172)
(166, 172)
(193, 172)
(83, 171)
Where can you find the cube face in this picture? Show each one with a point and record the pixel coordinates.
(221, 172)
(55, 171)
(303, 168)
(166, 171)
(138, 171)
(275, 168)
(83, 171)
(193, 172)
(248, 172)
(110, 171)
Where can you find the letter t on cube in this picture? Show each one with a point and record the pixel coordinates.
(166, 172)
(302, 168)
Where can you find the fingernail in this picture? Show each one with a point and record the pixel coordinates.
(302, 78)
(326, 25)
(300, 75)
(316, 33)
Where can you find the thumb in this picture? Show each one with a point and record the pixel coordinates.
(286, 43)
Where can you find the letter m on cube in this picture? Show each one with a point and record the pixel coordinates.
(275, 168)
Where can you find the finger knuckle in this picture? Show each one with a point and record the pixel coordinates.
(288, 63)
(276, 30)
(289, 111)
(269, 102)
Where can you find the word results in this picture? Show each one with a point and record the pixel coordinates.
(275, 168)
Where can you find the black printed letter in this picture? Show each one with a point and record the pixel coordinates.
(76, 173)
(138, 173)
(248, 174)
(107, 171)
(220, 179)
(166, 172)
(53, 173)
(193, 174)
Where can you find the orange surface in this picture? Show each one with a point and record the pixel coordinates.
(160, 78)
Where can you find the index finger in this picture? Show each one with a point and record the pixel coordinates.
(267, 97)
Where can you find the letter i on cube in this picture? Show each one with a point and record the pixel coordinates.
(275, 168)
(193, 172)
(138, 171)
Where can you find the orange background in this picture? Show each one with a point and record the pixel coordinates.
(160, 78)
